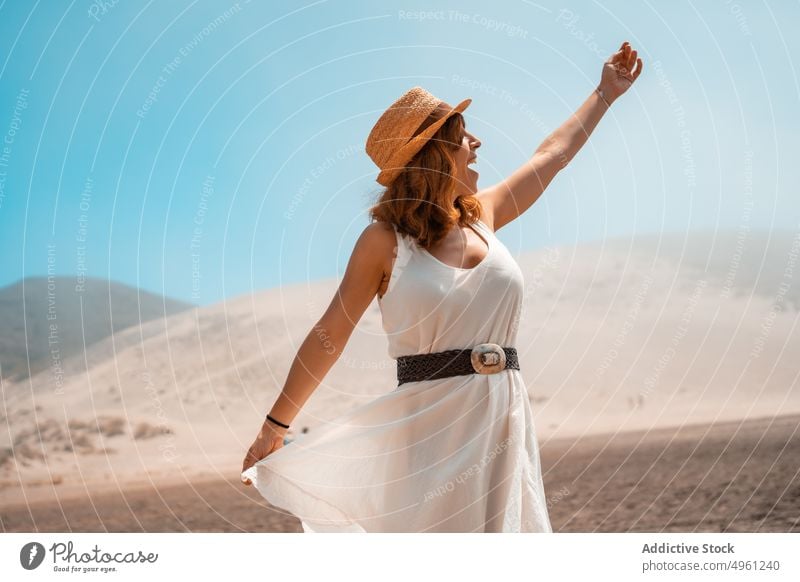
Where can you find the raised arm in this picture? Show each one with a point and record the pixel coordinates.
(511, 197)
(326, 340)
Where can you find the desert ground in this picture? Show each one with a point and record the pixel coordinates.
(726, 477)
(661, 373)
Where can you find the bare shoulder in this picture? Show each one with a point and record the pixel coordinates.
(376, 244)
(380, 234)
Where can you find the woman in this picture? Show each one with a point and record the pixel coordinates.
(453, 447)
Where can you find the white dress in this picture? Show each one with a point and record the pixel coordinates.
(456, 454)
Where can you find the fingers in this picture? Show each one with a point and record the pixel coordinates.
(257, 452)
(638, 69)
(625, 56)
(250, 459)
(631, 60)
(627, 62)
(245, 468)
(617, 55)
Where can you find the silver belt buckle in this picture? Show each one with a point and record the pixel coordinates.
(488, 358)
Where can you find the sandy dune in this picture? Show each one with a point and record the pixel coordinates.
(614, 337)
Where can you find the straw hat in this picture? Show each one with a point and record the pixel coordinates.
(392, 144)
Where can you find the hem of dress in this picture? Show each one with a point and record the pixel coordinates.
(341, 522)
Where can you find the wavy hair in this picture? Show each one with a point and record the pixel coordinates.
(420, 200)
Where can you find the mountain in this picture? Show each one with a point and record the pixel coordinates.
(46, 321)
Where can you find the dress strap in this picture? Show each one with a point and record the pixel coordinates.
(484, 227)
(404, 251)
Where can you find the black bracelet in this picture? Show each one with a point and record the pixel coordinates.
(277, 422)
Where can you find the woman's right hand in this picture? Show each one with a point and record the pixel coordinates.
(619, 72)
(269, 439)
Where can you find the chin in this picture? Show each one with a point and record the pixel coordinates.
(473, 187)
(471, 182)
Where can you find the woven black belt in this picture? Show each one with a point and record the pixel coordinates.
(485, 358)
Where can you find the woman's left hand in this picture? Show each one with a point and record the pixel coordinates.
(269, 439)
(619, 72)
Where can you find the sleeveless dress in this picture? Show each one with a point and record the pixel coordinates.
(455, 454)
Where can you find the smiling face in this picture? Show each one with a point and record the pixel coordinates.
(466, 156)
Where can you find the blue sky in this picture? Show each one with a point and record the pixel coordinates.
(203, 150)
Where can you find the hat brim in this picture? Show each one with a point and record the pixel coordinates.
(404, 155)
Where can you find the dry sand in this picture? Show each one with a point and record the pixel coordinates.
(618, 337)
(726, 477)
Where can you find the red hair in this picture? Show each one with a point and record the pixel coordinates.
(420, 200)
